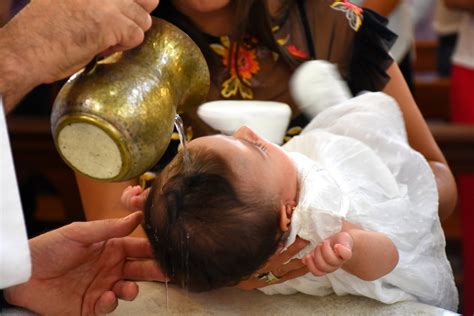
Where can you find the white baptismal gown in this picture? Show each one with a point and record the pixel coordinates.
(354, 163)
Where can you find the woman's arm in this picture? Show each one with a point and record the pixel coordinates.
(466, 5)
(102, 200)
(420, 138)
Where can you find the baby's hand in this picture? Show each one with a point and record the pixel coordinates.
(133, 197)
(329, 255)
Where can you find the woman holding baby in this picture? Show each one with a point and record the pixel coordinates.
(254, 46)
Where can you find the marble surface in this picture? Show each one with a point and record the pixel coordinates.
(154, 299)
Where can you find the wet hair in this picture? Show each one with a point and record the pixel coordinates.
(205, 233)
(253, 19)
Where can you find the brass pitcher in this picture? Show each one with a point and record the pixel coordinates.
(113, 120)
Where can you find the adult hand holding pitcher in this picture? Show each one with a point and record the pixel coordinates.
(113, 120)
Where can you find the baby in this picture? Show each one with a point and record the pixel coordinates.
(349, 184)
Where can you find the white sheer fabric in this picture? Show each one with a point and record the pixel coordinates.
(355, 163)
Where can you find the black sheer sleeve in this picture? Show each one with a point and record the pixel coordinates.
(371, 58)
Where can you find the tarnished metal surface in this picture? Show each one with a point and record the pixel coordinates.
(133, 97)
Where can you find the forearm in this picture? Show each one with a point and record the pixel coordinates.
(373, 254)
(421, 139)
(48, 41)
(447, 191)
(101, 200)
(384, 8)
(466, 5)
(16, 77)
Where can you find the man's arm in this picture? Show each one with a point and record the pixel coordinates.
(81, 267)
(85, 267)
(15, 80)
(50, 40)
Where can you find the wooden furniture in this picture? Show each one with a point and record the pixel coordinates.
(35, 155)
(457, 143)
(455, 140)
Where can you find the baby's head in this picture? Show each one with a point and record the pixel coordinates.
(215, 218)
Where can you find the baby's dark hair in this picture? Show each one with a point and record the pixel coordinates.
(204, 232)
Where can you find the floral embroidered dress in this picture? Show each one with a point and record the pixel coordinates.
(337, 31)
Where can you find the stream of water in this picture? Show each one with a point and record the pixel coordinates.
(178, 123)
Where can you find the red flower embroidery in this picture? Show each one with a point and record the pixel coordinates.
(247, 67)
(295, 51)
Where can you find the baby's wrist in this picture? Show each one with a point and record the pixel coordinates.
(353, 233)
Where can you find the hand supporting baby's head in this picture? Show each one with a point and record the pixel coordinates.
(205, 232)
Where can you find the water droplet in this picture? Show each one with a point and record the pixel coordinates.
(166, 289)
(178, 123)
(187, 263)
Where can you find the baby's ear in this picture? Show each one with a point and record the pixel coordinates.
(286, 211)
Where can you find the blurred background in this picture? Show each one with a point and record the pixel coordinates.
(49, 192)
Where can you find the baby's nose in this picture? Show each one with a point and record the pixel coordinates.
(242, 132)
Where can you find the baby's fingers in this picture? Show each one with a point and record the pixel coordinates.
(129, 196)
(131, 190)
(343, 252)
(310, 263)
(126, 194)
(321, 262)
(136, 190)
(138, 202)
(330, 255)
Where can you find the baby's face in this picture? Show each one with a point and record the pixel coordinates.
(259, 165)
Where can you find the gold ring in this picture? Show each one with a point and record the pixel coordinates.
(267, 277)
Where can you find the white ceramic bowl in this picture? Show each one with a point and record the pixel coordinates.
(267, 119)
